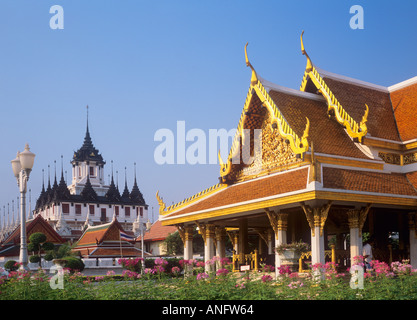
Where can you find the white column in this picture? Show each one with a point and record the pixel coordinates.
(209, 246)
(220, 240)
(188, 242)
(356, 219)
(316, 218)
(317, 246)
(412, 217)
(280, 229)
(270, 245)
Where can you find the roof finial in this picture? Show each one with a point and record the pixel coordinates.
(254, 79)
(87, 118)
(309, 65)
(62, 166)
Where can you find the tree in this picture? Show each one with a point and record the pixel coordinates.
(174, 244)
(38, 244)
(59, 251)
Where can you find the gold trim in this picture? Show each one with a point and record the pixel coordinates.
(354, 129)
(298, 145)
(316, 217)
(163, 210)
(295, 199)
(348, 162)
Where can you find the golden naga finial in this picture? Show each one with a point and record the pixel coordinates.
(161, 203)
(363, 127)
(306, 130)
(254, 79)
(309, 65)
(224, 167)
(365, 116)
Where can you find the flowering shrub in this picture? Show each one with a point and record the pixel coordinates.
(202, 276)
(175, 271)
(266, 278)
(160, 262)
(134, 265)
(402, 268)
(222, 272)
(284, 269)
(295, 284)
(395, 281)
(268, 268)
(130, 274)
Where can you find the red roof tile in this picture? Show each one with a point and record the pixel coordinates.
(158, 232)
(327, 135)
(356, 180)
(404, 103)
(353, 97)
(260, 188)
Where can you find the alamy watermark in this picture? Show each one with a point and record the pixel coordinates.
(57, 20)
(357, 20)
(57, 280)
(195, 146)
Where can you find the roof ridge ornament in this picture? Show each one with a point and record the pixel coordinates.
(354, 129)
(254, 79)
(309, 65)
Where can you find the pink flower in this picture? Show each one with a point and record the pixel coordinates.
(175, 270)
(202, 276)
(266, 278)
(160, 261)
(269, 268)
(222, 272)
(285, 269)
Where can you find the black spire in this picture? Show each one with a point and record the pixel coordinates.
(41, 200)
(113, 194)
(49, 193)
(87, 152)
(136, 196)
(125, 195)
(88, 192)
(62, 190)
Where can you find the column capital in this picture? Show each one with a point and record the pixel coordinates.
(316, 216)
(220, 233)
(278, 220)
(412, 222)
(357, 217)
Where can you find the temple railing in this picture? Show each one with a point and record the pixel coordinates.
(329, 254)
(250, 260)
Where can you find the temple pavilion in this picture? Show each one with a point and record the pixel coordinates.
(329, 163)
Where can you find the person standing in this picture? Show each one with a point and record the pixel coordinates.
(367, 252)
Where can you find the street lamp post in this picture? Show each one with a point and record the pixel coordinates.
(22, 166)
(142, 228)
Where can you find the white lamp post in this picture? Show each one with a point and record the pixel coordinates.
(22, 166)
(142, 228)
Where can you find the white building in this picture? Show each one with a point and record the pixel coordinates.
(88, 200)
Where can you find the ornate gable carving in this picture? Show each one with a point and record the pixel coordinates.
(269, 150)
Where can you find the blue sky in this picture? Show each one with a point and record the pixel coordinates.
(144, 65)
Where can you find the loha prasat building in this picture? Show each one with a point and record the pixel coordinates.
(330, 163)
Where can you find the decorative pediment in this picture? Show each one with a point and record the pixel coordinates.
(354, 129)
(259, 105)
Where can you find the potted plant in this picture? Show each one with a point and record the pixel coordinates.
(290, 253)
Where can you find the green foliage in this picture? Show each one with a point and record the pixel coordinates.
(74, 264)
(396, 283)
(174, 244)
(37, 238)
(11, 265)
(38, 244)
(34, 259)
